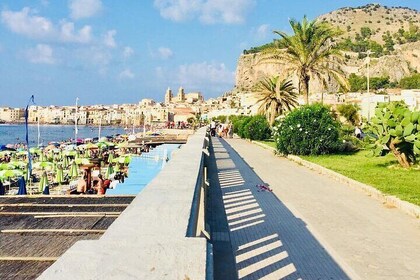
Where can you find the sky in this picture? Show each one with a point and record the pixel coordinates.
(115, 52)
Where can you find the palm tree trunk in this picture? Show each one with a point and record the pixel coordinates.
(304, 84)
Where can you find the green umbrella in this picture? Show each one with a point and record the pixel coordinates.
(122, 159)
(3, 153)
(82, 161)
(69, 153)
(34, 150)
(6, 166)
(109, 171)
(73, 170)
(22, 153)
(110, 157)
(65, 161)
(11, 173)
(117, 167)
(122, 145)
(19, 164)
(43, 182)
(59, 176)
(43, 165)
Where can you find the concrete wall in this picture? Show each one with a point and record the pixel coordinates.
(149, 239)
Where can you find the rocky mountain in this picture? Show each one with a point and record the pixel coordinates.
(380, 19)
(393, 34)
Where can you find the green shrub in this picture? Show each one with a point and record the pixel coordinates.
(309, 130)
(257, 128)
(350, 112)
(411, 82)
(239, 125)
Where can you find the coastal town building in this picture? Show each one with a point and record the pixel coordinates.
(11, 114)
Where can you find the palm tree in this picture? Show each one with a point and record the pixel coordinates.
(275, 97)
(311, 52)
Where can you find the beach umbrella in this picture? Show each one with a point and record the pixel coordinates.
(11, 173)
(2, 189)
(65, 161)
(70, 153)
(122, 145)
(59, 176)
(43, 182)
(82, 161)
(34, 150)
(22, 153)
(110, 157)
(43, 165)
(42, 157)
(109, 171)
(19, 164)
(70, 147)
(117, 167)
(6, 166)
(22, 186)
(3, 153)
(73, 170)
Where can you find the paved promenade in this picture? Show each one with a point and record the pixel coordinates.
(310, 226)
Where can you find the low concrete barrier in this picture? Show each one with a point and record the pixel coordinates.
(150, 239)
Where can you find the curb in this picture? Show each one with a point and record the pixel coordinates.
(390, 200)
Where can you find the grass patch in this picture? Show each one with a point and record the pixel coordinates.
(268, 143)
(382, 173)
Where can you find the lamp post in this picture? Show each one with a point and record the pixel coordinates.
(368, 53)
(75, 123)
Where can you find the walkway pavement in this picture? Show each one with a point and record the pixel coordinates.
(310, 226)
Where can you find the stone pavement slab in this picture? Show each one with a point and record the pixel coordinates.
(364, 237)
(268, 241)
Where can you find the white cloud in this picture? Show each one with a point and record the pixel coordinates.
(27, 23)
(84, 8)
(41, 54)
(261, 32)
(205, 74)
(165, 53)
(207, 11)
(126, 74)
(84, 35)
(127, 52)
(109, 39)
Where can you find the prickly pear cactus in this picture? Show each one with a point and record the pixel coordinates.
(396, 129)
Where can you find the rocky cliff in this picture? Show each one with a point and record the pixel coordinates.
(401, 62)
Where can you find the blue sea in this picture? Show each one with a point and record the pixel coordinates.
(15, 133)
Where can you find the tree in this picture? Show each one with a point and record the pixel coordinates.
(275, 97)
(350, 112)
(411, 82)
(311, 52)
